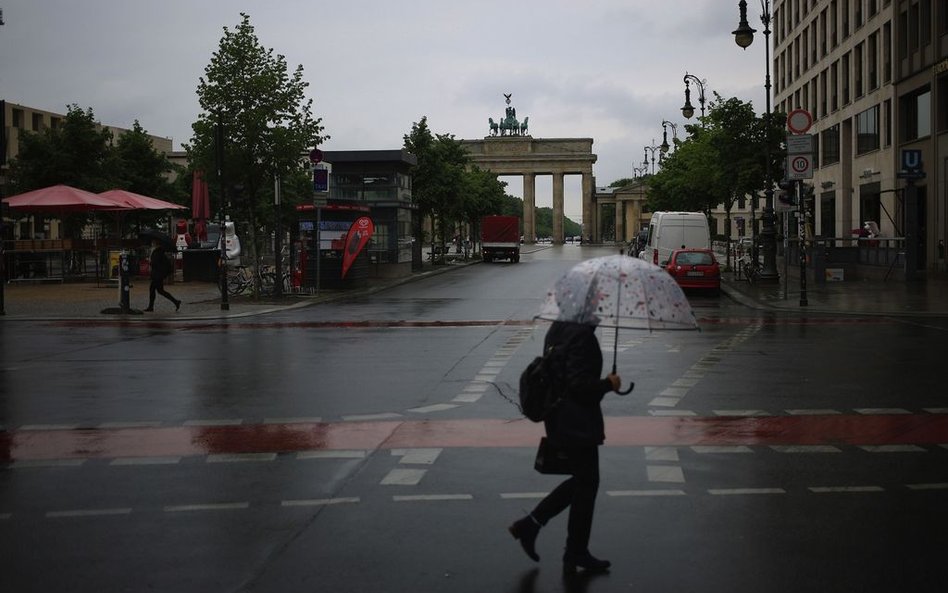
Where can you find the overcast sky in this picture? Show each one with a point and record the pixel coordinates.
(610, 70)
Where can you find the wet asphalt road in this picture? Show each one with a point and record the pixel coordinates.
(367, 446)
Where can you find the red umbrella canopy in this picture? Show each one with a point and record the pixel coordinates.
(200, 201)
(127, 199)
(61, 198)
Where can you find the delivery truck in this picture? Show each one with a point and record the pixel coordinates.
(500, 238)
(668, 231)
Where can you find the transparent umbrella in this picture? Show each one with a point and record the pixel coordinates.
(621, 292)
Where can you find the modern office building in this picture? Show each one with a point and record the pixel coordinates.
(874, 76)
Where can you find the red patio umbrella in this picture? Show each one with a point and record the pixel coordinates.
(61, 198)
(127, 199)
(200, 206)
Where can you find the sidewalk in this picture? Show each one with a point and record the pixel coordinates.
(199, 300)
(928, 296)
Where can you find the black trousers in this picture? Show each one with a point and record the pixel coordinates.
(158, 286)
(578, 493)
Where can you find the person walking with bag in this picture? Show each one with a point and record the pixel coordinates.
(159, 269)
(576, 427)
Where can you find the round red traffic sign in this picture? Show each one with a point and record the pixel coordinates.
(315, 155)
(799, 121)
(800, 163)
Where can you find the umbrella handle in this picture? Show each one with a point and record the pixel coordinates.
(627, 391)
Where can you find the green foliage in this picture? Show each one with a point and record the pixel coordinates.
(267, 124)
(723, 159)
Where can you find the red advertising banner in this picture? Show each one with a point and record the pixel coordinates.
(359, 234)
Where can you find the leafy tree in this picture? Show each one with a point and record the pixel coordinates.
(140, 168)
(267, 124)
(76, 153)
(622, 182)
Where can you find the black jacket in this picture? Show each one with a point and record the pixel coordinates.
(159, 264)
(577, 420)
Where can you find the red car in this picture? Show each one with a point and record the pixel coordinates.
(695, 268)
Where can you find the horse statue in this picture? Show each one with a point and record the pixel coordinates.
(523, 126)
(494, 126)
(509, 127)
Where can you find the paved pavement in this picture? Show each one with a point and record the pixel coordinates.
(201, 300)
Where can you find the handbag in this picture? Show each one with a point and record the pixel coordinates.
(551, 459)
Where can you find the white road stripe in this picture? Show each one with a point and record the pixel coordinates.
(341, 454)
(685, 382)
(674, 392)
(712, 449)
(661, 453)
(523, 495)
(468, 398)
(222, 506)
(49, 427)
(295, 420)
(881, 411)
(672, 413)
(316, 502)
(145, 461)
(48, 463)
(433, 408)
(87, 513)
(933, 486)
(403, 477)
(477, 387)
(737, 491)
(832, 489)
(129, 425)
(371, 417)
(936, 410)
(739, 412)
(665, 473)
(892, 449)
(215, 422)
(417, 456)
(432, 497)
(666, 402)
(240, 457)
(645, 492)
(806, 449)
(812, 412)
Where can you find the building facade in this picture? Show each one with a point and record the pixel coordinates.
(874, 76)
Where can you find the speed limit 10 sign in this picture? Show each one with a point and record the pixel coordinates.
(800, 166)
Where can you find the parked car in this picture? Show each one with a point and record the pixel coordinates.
(695, 268)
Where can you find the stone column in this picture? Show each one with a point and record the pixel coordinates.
(529, 208)
(589, 217)
(620, 223)
(558, 234)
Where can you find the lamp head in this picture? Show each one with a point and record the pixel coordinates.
(744, 34)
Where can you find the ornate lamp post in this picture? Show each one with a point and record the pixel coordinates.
(665, 125)
(744, 36)
(688, 110)
(639, 171)
(653, 149)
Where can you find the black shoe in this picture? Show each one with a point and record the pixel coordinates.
(177, 305)
(586, 561)
(526, 531)
(148, 310)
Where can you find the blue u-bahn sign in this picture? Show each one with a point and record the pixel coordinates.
(912, 167)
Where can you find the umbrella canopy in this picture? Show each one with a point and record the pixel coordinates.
(163, 239)
(130, 200)
(619, 291)
(200, 200)
(61, 198)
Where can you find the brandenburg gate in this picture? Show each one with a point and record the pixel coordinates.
(509, 150)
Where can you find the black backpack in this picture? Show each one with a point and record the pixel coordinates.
(539, 392)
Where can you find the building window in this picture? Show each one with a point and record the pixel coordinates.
(845, 78)
(916, 112)
(18, 118)
(845, 16)
(834, 24)
(873, 8)
(829, 141)
(887, 114)
(941, 112)
(823, 91)
(834, 86)
(823, 17)
(924, 23)
(887, 52)
(857, 69)
(872, 62)
(867, 130)
(858, 15)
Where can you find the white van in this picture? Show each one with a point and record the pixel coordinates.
(669, 231)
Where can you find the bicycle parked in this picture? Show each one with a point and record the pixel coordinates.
(241, 279)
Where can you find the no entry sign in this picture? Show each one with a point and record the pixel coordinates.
(799, 121)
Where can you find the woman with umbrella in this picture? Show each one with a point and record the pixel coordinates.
(617, 292)
(576, 427)
(160, 268)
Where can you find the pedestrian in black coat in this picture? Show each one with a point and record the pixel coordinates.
(159, 270)
(576, 426)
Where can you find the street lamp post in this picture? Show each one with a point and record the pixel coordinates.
(744, 36)
(639, 171)
(688, 110)
(653, 149)
(665, 125)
